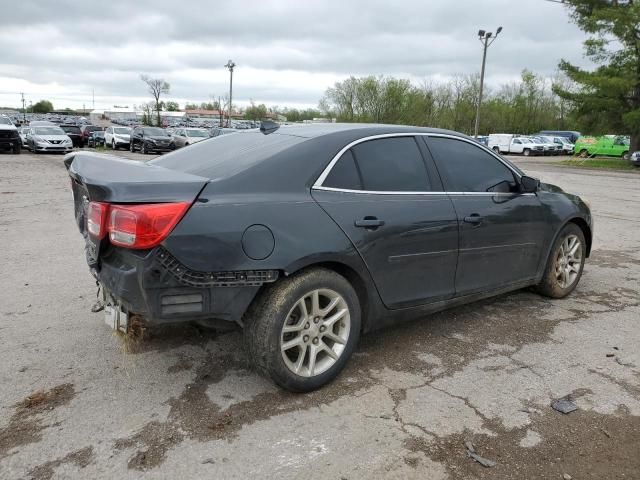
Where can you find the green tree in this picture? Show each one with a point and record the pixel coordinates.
(255, 112)
(43, 106)
(156, 87)
(607, 99)
(190, 106)
(171, 106)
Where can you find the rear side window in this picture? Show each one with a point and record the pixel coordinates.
(344, 174)
(468, 168)
(391, 165)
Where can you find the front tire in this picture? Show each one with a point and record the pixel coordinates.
(302, 330)
(131, 147)
(526, 152)
(16, 149)
(143, 148)
(113, 145)
(565, 263)
(583, 153)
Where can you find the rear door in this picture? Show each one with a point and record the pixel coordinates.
(390, 204)
(502, 231)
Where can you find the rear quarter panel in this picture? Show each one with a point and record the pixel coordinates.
(209, 237)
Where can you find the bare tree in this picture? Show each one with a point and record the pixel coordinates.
(157, 86)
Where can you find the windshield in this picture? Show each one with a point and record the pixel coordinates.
(526, 140)
(92, 128)
(122, 130)
(5, 121)
(194, 132)
(48, 131)
(71, 129)
(155, 131)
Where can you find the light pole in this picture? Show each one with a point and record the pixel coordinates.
(230, 65)
(486, 38)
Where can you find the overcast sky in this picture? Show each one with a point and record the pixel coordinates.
(287, 52)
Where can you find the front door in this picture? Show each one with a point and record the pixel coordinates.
(501, 230)
(405, 228)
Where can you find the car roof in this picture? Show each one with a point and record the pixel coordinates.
(314, 130)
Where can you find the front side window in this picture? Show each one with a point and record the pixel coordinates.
(468, 168)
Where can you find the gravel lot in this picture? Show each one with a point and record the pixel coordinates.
(77, 402)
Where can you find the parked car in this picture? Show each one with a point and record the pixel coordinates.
(150, 139)
(86, 131)
(96, 139)
(482, 139)
(307, 236)
(117, 137)
(550, 147)
(217, 131)
(635, 158)
(508, 143)
(74, 133)
(565, 145)
(48, 139)
(188, 136)
(609, 145)
(570, 135)
(23, 131)
(9, 135)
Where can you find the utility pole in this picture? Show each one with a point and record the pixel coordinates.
(24, 112)
(93, 99)
(486, 38)
(230, 65)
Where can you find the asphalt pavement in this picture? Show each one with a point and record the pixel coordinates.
(420, 400)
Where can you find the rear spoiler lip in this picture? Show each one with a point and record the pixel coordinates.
(113, 179)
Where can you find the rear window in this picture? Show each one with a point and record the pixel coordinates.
(71, 129)
(227, 155)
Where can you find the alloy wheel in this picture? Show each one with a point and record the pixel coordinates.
(568, 261)
(315, 332)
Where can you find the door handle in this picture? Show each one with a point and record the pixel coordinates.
(473, 219)
(369, 223)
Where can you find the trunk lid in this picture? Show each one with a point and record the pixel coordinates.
(110, 179)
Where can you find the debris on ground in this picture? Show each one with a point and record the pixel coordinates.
(564, 405)
(609, 355)
(471, 453)
(566, 476)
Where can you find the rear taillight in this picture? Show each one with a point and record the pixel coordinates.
(97, 219)
(143, 226)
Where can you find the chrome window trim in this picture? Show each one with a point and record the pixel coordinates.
(325, 173)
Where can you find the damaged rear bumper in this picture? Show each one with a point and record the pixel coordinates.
(155, 285)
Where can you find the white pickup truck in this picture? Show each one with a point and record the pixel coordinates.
(508, 143)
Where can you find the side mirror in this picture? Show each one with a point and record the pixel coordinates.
(529, 184)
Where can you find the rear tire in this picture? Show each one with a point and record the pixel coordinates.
(626, 155)
(564, 269)
(16, 149)
(143, 149)
(320, 341)
(583, 153)
(497, 150)
(131, 149)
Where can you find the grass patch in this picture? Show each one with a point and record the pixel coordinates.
(600, 163)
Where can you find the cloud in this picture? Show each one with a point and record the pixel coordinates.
(288, 52)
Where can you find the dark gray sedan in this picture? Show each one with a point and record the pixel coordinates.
(307, 236)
